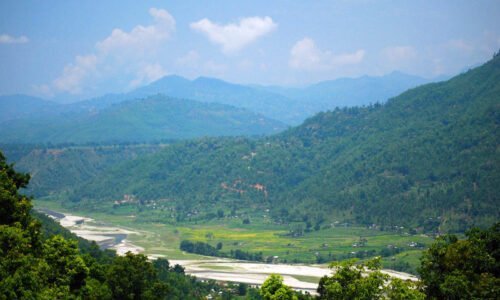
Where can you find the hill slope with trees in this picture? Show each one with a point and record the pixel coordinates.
(42, 260)
(288, 105)
(427, 158)
(39, 259)
(155, 118)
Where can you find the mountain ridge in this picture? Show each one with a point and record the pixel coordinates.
(150, 119)
(288, 105)
(427, 159)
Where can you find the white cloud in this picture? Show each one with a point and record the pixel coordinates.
(7, 39)
(121, 53)
(148, 74)
(306, 56)
(233, 37)
(73, 74)
(140, 37)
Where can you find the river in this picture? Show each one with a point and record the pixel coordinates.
(299, 277)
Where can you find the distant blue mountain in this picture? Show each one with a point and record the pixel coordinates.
(288, 105)
(22, 106)
(153, 118)
(204, 89)
(347, 92)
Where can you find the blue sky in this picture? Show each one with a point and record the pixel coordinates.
(79, 49)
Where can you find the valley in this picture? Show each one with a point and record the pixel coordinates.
(250, 150)
(398, 249)
(154, 241)
(423, 163)
(363, 182)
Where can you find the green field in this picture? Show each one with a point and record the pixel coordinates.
(273, 240)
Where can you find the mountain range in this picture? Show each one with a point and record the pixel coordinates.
(427, 159)
(245, 110)
(150, 119)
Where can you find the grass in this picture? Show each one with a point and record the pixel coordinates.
(218, 267)
(310, 279)
(331, 243)
(260, 236)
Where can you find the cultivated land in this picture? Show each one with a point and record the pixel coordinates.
(273, 240)
(123, 239)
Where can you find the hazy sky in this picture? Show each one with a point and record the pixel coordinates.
(87, 48)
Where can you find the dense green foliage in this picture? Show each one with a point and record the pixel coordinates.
(60, 169)
(273, 288)
(199, 248)
(209, 250)
(155, 118)
(463, 269)
(360, 281)
(427, 160)
(47, 266)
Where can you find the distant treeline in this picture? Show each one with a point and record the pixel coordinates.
(209, 250)
(426, 160)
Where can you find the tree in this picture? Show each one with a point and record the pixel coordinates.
(22, 275)
(14, 208)
(470, 268)
(23, 271)
(274, 289)
(162, 267)
(242, 289)
(48, 264)
(131, 276)
(364, 281)
(67, 268)
(400, 290)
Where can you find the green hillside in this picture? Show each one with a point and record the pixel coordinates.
(39, 259)
(289, 105)
(60, 169)
(428, 158)
(154, 118)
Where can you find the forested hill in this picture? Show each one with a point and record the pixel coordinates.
(143, 120)
(289, 105)
(428, 159)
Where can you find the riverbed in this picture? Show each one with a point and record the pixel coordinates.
(299, 277)
(106, 236)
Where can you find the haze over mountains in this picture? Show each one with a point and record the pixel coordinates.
(429, 154)
(418, 152)
(257, 150)
(245, 110)
(345, 92)
(151, 119)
